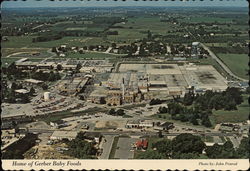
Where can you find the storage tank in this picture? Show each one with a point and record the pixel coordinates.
(46, 96)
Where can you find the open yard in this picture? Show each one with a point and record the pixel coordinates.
(238, 63)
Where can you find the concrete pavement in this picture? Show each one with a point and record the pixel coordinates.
(106, 145)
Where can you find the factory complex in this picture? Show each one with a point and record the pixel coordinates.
(138, 82)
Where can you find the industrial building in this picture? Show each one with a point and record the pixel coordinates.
(138, 82)
(139, 124)
(59, 135)
(72, 86)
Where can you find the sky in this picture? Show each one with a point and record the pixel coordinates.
(109, 3)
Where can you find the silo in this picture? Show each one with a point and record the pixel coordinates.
(46, 96)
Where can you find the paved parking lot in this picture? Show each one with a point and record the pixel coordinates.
(124, 148)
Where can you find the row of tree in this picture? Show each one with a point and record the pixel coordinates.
(194, 115)
(188, 146)
(119, 112)
(227, 100)
(80, 148)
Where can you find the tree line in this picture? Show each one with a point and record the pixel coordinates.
(188, 146)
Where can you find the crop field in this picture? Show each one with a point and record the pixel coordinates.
(239, 115)
(136, 28)
(238, 63)
(207, 19)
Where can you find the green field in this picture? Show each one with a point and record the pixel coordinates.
(207, 19)
(26, 41)
(237, 63)
(92, 55)
(136, 28)
(239, 115)
(8, 61)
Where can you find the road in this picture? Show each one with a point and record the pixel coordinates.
(106, 146)
(133, 133)
(221, 63)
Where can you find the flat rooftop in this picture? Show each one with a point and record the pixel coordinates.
(172, 76)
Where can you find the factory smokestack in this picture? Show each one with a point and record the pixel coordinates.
(123, 88)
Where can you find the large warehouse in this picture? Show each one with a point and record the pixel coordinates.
(136, 82)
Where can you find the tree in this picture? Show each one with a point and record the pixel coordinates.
(25, 98)
(224, 151)
(163, 146)
(45, 86)
(150, 154)
(188, 143)
(120, 112)
(149, 35)
(244, 148)
(206, 121)
(54, 49)
(113, 45)
(162, 109)
(59, 67)
(155, 101)
(102, 100)
(32, 91)
(112, 111)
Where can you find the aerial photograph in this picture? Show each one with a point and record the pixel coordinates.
(137, 80)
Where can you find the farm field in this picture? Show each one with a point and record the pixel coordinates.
(207, 19)
(238, 63)
(136, 28)
(26, 42)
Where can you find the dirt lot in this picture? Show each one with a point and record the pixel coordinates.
(46, 152)
(110, 124)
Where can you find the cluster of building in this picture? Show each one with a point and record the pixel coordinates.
(138, 82)
(73, 85)
(82, 65)
(141, 124)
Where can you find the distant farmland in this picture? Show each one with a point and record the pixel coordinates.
(238, 63)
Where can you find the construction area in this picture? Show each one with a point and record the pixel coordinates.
(137, 82)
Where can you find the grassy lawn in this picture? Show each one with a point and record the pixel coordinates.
(207, 138)
(238, 63)
(113, 148)
(239, 115)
